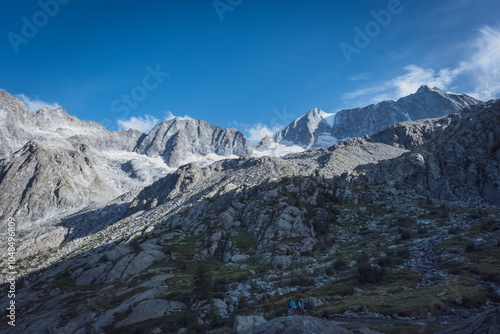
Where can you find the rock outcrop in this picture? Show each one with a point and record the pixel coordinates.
(243, 324)
(303, 324)
(178, 140)
(487, 323)
(464, 158)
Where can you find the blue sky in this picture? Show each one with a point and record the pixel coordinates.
(254, 65)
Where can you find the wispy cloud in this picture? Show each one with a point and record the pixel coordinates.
(256, 132)
(416, 76)
(482, 69)
(403, 85)
(145, 123)
(360, 77)
(35, 104)
(170, 116)
(484, 65)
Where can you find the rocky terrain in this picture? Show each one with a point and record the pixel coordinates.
(398, 231)
(53, 165)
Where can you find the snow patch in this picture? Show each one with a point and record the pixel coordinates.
(278, 150)
(326, 139)
(206, 160)
(329, 118)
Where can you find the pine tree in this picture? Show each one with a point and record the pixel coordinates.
(203, 282)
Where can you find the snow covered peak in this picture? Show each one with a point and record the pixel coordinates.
(425, 88)
(301, 131)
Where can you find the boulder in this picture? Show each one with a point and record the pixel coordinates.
(117, 271)
(296, 324)
(76, 325)
(142, 261)
(239, 257)
(151, 309)
(94, 275)
(281, 261)
(312, 303)
(242, 324)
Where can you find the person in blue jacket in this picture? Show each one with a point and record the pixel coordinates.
(293, 305)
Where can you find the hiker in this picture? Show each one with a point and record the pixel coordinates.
(300, 307)
(293, 305)
(290, 312)
(324, 316)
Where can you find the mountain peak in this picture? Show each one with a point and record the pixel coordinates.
(315, 111)
(426, 89)
(49, 111)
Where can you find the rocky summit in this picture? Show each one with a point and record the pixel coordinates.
(189, 229)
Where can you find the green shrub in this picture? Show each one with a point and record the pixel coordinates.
(490, 225)
(401, 253)
(339, 263)
(320, 226)
(329, 271)
(386, 261)
(362, 258)
(422, 230)
(184, 319)
(242, 302)
(470, 247)
(301, 280)
(220, 287)
(370, 274)
(405, 221)
(202, 280)
(405, 234)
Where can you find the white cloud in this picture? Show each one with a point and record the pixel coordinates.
(403, 85)
(360, 77)
(481, 69)
(143, 124)
(256, 132)
(416, 76)
(35, 105)
(170, 116)
(146, 122)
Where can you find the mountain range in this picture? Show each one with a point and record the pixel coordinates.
(113, 227)
(317, 128)
(54, 164)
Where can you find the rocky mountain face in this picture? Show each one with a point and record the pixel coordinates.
(53, 165)
(17, 124)
(317, 128)
(175, 139)
(399, 229)
(462, 160)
